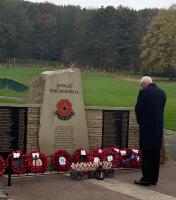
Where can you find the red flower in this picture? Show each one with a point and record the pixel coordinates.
(132, 159)
(136, 161)
(77, 155)
(18, 162)
(62, 160)
(94, 153)
(37, 162)
(112, 154)
(2, 165)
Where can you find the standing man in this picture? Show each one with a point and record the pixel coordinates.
(149, 111)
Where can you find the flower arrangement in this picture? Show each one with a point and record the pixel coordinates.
(94, 155)
(84, 166)
(62, 160)
(2, 166)
(37, 162)
(131, 158)
(80, 155)
(136, 161)
(18, 162)
(112, 154)
(88, 170)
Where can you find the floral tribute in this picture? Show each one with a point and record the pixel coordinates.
(112, 154)
(2, 166)
(90, 165)
(18, 162)
(136, 161)
(79, 156)
(62, 160)
(87, 170)
(109, 158)
(37, 162)
(95, 155)
(131, 158)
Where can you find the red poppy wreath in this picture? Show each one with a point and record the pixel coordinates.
(37, 162)
(94, 155)
(108, 154)
(112, 154)
(79, 156)
(18, 162)
(62, 160)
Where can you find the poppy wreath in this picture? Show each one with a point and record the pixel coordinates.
(110, 151)
(126, 156)
(117, 161)
(136, 161)
(77, 155)
(18, 164)
(2, 166)
(112, 154)
(97, 152)
(62, 160)
(37, 162)
(107, 152)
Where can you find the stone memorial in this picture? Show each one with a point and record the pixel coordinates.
(62, 118)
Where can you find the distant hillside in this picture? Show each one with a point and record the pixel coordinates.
(107, 38)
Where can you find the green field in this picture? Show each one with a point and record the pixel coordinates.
(100, 89)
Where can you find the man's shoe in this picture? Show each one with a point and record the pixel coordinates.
(143, 183)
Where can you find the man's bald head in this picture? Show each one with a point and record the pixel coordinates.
(145, 81)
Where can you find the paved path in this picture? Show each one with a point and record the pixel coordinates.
(60, 187)
(121, 187)
(142, 193)
(170, 144)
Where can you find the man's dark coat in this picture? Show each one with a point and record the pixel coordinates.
(149, 113)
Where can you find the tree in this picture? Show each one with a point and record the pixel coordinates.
(113, 38)
(159, 45)
(107, 38)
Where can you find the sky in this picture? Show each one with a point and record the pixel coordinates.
(135, 4)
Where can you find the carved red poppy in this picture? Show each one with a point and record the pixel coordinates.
(64, 109)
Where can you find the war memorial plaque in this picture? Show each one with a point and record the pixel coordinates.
(62, 118)
(13, 128)
(6, 126)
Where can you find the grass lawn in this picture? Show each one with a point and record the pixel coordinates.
(109, 90)
(100, 89)
(21, 75)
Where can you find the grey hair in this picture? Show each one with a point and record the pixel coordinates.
(145, 81)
